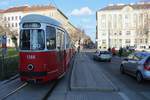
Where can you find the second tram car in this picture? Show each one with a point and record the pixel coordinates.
(45, 49)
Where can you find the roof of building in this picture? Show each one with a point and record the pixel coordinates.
(31, 8)
(121, 6)
(28, 8)
(1, 11)
(40, 19)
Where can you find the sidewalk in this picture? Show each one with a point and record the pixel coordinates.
(88, 82)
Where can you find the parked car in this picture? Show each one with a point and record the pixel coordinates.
(102, 56)
(138, 65)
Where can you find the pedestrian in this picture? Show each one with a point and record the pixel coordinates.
(78, 49)
(113, 51)
(109, 49)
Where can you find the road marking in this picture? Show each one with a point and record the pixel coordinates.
(124, 96)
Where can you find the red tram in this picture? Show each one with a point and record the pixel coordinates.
(45, 49)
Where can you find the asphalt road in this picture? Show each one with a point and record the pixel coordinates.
(129, 89)
(126, 83)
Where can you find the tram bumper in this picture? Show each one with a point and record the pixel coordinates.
(34, 77)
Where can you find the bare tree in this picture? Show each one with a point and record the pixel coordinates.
(5, 29)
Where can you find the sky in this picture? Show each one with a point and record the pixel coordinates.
(81, 13)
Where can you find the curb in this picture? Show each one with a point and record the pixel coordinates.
(72, 71)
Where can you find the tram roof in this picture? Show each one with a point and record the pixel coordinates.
(40, 19)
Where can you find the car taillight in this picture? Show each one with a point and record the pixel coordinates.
(147, 66)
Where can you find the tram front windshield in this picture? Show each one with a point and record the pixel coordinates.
(32, 39)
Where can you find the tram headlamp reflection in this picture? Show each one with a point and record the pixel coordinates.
(30, 67)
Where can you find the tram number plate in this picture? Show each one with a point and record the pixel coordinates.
(31, 57)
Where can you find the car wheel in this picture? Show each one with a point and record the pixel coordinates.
(93, 58)
(122, 69)
(139, 77)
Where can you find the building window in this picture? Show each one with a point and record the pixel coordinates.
(12, 24)
(120, 33)
(103, 21)
(115, 33)
(128, 33)
(8, 18)
(103, 41)
(12, 18)
(16, 17)
(110, 21)
(8, 25)
(5, 19)
(140, 40)
(103, 34)
(20, 17)
(127, 41)
(115, 21)
(146, 41)
(120, 41)
(16, 25)
(135, 20)
(120, 21)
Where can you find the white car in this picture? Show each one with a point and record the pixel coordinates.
(102, 56)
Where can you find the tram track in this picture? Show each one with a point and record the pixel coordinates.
(53, 85)
(9, 80)
(13, 91)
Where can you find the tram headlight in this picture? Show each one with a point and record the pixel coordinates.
(30, 67)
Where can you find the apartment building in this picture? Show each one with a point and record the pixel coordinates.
(123, 25)
(12, 16)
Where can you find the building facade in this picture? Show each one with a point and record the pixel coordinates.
(123, 25)
(11, 18)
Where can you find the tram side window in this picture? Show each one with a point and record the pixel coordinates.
(25, 40)
(68, 41)
(50, 37)
(60, 39)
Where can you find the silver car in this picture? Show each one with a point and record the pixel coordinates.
(102, 56)
(138, 65)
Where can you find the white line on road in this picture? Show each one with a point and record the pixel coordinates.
(124, 96)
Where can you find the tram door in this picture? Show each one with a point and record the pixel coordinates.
(60, 45)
